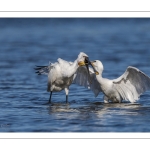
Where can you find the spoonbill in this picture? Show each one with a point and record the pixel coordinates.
(61, 73)
(129, 86)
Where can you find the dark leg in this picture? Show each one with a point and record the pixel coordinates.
(66, 98)
(50, 97)
(67, 92)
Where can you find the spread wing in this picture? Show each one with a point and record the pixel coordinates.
(82, 78)
(132, 84)
(46, 69)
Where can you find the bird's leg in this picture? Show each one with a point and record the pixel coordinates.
(67, 92)
(106, 100)
(50, 97)
(66, 98)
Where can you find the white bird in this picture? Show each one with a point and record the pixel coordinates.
(128, 86)
(61, 73)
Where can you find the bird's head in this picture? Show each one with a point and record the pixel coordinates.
(83, 60)
(97, 65)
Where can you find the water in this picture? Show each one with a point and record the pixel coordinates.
(24, 43)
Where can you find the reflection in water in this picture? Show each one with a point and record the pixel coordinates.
(118, 109)
(60, 107)
(101, 114)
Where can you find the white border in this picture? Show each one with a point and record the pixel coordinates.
(72, 14)
(74, 5)
(97, 135)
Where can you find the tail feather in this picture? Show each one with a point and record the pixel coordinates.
(42, 70)
(40, 67)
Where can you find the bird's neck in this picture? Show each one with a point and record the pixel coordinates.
(99, 77)
(73, 68)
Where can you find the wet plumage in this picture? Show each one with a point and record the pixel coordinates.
(61, 73)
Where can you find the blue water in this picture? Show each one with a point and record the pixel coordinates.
(24, 43)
